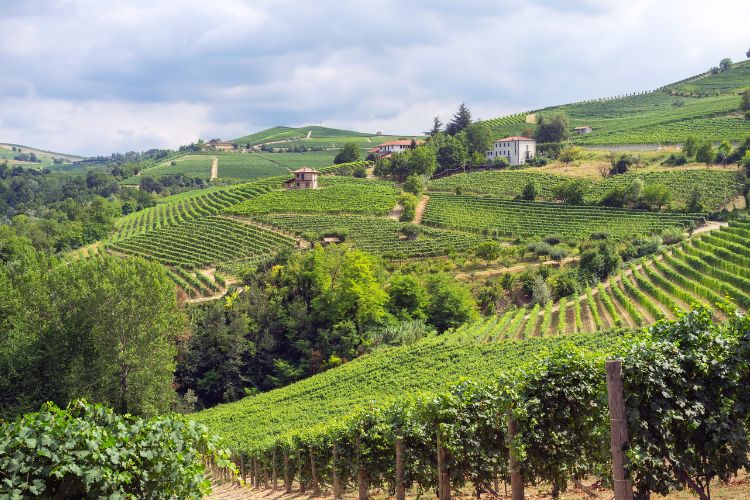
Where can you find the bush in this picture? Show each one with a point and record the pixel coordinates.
(409, 203)
(414, 184)
(89, 451)
(360, 172)
(571, 191)
(569, 154)
(411, 231)
(554, 239)
(538, 161)
(529, 191)
(676, 159)
(500, 162)
(672, 235)
(622, 164)
(558, 253)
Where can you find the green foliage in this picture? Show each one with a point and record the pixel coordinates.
(89, 451)
(408, 203)
(570, 154)
(690, 146)
(452, 152)
(451, 304)
(552, 129)
(705, 153)
(348, 153)
(414, 184)
(529, 191)
(478, 138)
(488, 251)
(460, 122)
(571, 191)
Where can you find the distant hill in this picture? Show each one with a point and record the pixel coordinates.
(705, 105)
(47, 158)
(290, 133)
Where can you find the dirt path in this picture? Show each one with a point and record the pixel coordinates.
(214, 168)
(396, 211)
(419, 211)
(709, 226)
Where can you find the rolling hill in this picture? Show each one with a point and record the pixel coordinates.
(47, 157)
(705, 106)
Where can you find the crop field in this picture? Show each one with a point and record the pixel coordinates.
(198, 165)
(188, 206)
(377, 235)
(336, 195)
(205, 241)
(716, 186)
(660, 116)
(430, 365)
(337, 142)
(518, 218)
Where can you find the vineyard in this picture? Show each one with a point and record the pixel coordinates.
(519, 218)
(204, 241)
(188, 206)
(337, 195)
(703, 106)
(376, 235)
(359, 413)
(716, 186)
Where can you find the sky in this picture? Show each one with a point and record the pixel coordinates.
(95, 77)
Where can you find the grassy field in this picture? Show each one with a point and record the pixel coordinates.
(705, 107)
(290, 133)
(7, 153)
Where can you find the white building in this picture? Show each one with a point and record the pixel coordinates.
(386, 149)
(516, 149)
(583, 129)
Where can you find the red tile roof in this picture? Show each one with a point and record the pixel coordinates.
(514, 138)
(305, 169)
(401, 142)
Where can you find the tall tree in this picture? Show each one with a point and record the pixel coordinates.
(478, 138)
(554, 129)
(452, 153)
(705, 153)
(349, 153)
(725, 64)
(437, 127)
(461, 120)
(689, 146)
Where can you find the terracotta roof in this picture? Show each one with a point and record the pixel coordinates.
(373, 150)
(305, 169)
(401, 142)
(514, 138)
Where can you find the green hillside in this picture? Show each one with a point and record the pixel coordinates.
(47, 157)
(705, 106)
(289, 133)
(431, 365)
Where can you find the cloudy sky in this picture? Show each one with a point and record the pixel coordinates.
(94, 76)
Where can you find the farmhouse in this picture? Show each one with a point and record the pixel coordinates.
(388, 148)
(583, 129)
(221, 145)
(516, 149)
(304, 178)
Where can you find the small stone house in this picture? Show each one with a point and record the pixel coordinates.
(583, 129)
(221, 146)
(304, 178)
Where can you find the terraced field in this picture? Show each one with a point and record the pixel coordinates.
(189, 206)
(703, 106)
(337, 195)
(377, 235)
(519, 218)
(205, 241)
(716, 186)
(706, 270)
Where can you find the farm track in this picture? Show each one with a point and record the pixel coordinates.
(421, 207)
(214, 168)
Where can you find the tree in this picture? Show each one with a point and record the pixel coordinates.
(622, 164)
(422, 161)
(461, 120)
(407, 297)
(725, 64)
(529, 191)
(349, 153)
(437, 127)
(478, 138)
(705, 153)
(451, 304)
(554, 129)
(488, 251)
(747, 54)
(414, 184)
(655, 196)
(745, 101)
(723, 151)
(452, 154)
(689, 146)
(600, 261)
(571, 191)
(694, 202)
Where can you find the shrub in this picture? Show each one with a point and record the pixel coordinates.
(89, 451)
(676, 159)
(411, 231)
(360, 172)
(571, 191)
(529, 191)
(672, 235)
(414, 184)
(409, 203)
(569, 154)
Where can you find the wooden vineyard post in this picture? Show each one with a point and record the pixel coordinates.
(254, 473)
(287, 476)
(444, 479)
(361, 477)
(400, 489)
(334, 469)
(618, 429)
(302, 488)
(274, 472)
(314, 474)
(516, 479)
(243, 472)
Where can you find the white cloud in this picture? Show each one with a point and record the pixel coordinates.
(95, 77)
